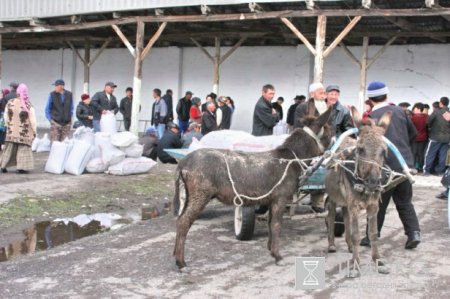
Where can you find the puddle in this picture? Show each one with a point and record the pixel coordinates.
(47, 234)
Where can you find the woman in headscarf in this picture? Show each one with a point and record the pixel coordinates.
(195, 114)
(2, 122)
(20, 120)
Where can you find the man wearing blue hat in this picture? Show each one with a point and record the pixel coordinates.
(401, 132)
(58, 111)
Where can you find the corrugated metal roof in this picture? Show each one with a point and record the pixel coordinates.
(11, 10)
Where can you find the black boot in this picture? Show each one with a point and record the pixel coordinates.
(4, 170)
(365, 242)
(21, 171)
(413, 240)
(443, 195)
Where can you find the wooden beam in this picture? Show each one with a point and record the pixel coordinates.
(320, 45)
(137, 80)
(87, 65)
(153, 40)
(299, 35)
(76, 51)
(423, 12)
(341, 36)
(203, 49)
(381, 51)
(363, 73)
(234, 48)
(100, 51)
(350, 54)
(216, 66)
(124, 40)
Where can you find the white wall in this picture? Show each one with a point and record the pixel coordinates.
(413, 73)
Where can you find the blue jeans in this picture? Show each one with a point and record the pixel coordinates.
(96, 124)
(160, 128)
(184, 125)
(436, 150)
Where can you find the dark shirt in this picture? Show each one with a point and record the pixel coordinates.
(83, 113)
(279, 109)
(209, 122)
(401, 132)
(100, 103)
(169, 140)
(291, 114)
(263, 119)
(439, 127)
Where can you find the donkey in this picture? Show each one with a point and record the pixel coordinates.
(207, 174)
(358, 186)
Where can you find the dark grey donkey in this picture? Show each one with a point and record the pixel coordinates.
(206, 174)
(358, 186)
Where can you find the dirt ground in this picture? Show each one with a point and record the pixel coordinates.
(136, 260)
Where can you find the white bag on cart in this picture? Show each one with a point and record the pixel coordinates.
(132, 166)
(79, 157)
(58, 156)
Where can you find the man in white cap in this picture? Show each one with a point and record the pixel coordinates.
(316, 92)
(401, 132)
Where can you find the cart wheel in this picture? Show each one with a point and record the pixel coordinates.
(339, 227)
(244, 223)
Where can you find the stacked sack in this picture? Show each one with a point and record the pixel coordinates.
(117, 153)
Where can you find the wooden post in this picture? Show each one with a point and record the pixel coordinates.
(320, 44)
(363, 73)
(87, 59)
(216, 67)
(137, 80)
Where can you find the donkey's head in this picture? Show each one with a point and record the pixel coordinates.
(370, 149)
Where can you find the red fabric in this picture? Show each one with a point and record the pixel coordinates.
(195, 114)
(365, 115)
(420, 122)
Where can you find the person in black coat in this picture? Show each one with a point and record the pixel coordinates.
(209, 122)
(85, 113)
(278, 106)
(183, 108)
(291, 112)
(102, 102)
(126, 105)
(150, 142)
(169, 102)
(401, 132)
(264, 116)
(170, 139)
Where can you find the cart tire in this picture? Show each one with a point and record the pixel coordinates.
(244, 223)
(339, 227)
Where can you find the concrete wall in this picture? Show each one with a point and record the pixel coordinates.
(413, 73)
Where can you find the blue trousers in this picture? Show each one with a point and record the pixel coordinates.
(160, 128)
(96, 124)
(184, 125)
(439, 150)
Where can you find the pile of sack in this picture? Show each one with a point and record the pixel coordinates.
(238, 141)
(109, 152)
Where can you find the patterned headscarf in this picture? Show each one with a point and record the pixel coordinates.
(5, 92)
(22, 92)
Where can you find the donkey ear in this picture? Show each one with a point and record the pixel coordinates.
(357, 119)
(385, 120)
(311, 108)
(323, 118)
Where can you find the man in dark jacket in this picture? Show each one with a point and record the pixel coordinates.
(401, 132)
(341, 119)
(264, 116)
(223, 114)
(278, 106)
(125, 108)
(209, 122)
(209, 98)
(102, 102)
(150, 142)
(59, 111)
(291, 112)
(438, 146)
(419, 120)
(170, 139)
(85, 114)
(183, 108)
(169, 102)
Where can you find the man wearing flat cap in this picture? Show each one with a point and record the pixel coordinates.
(341, 120)
(12, 92)
(58, 111)
(104, 102)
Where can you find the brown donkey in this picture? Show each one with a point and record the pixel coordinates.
(355, 186)
(207, 174)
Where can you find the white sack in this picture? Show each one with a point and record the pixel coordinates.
(123, 139)
(195, 145)
(35, 143)
(108, 123)
(58, 157)
(224, 139)
(44, 144)
(84, 134)
(79, 157)
(96, 165)
(132, 166)
(111, 155)
(133, 151)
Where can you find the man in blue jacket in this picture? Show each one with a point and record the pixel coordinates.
(58, 111)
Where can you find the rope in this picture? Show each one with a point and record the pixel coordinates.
(238, 200)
